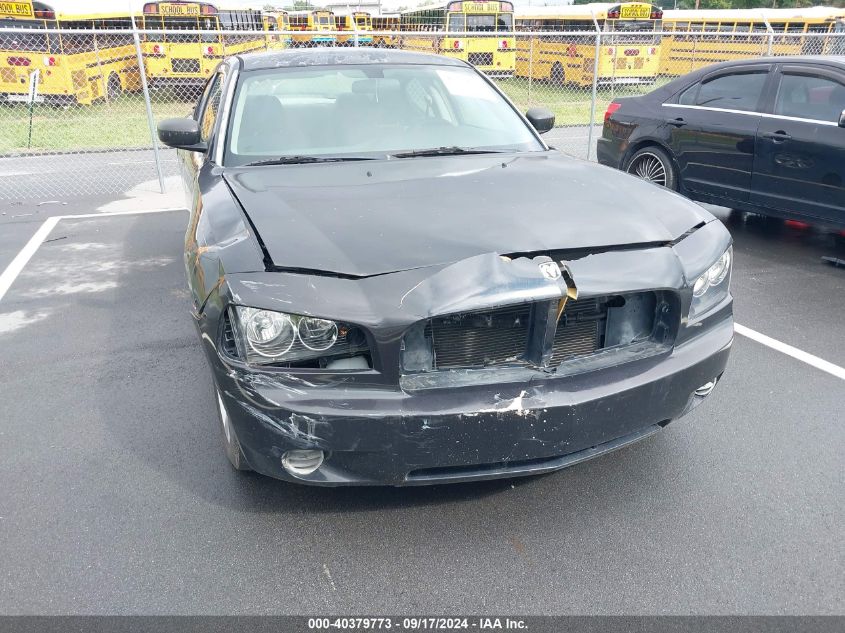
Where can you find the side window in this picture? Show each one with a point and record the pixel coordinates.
(740, 91)
(212, 106)
(687, 97)
(810, 97)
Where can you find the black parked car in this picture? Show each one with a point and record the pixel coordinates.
(764, 135)
(396, 281)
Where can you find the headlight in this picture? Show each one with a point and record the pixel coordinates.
(712, 286)
(266, 337)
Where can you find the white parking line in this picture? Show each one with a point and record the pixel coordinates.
(794, 352)
(16, 266)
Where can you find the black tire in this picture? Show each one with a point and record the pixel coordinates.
(654, 165)
(231, 445)
(558, 75)
(113, 87)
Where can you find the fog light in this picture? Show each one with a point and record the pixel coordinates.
(705, 389)
(301, 463)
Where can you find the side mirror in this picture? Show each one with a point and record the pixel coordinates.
(543, 120)
(181, 134)
(842, 119)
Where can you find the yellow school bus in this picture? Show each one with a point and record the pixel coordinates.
(386, 30)
(313, 28)
(65, 68)
(480, 33)
(187, 58)
(695, 39)
(563, 51)
(348, 24)
(277, 25)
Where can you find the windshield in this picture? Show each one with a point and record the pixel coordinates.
(459, 22)
(27, 42)
(369, 111)
(632, 31)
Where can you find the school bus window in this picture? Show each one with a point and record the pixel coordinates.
(25, 42)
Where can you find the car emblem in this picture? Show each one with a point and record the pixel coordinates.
(550, 270)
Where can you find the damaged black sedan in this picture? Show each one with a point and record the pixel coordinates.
(396, 281)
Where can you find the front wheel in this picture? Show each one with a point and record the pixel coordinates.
(653, 165)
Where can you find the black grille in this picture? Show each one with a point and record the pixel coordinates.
(479, 339)
(185, 65)
(519, 334)
(579, 329)
(480, 59)
(227, 341)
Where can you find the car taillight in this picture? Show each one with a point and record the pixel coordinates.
(49, 61)
(209, 50)
(158, 49)
(18, 61)
(457, 45)
(652, 50)
(610, 51)
(503, 45)
(613, 107)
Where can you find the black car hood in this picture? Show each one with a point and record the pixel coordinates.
(373, 217)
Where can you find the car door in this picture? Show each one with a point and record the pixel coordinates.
(713, 127)
(800, 163)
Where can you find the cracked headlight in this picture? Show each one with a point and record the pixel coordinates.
(712, 286)
(266, 337)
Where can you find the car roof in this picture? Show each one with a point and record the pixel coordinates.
(837, 60)
(334, 56)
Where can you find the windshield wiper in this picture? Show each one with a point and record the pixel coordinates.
(300, 160)
(446, 151)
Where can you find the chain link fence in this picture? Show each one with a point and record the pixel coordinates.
(78, 108)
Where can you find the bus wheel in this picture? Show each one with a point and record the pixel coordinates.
(113, 88)
(558, 75)
(653, 165)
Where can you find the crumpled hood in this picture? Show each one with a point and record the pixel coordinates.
(373, 217)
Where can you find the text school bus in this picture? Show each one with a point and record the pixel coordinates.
(480, 33)
(79, 67)
(564, 52)
(695, 39)
(184, 56)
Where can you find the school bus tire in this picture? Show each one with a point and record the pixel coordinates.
(113, 87)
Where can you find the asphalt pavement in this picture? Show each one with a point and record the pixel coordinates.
(117, 497)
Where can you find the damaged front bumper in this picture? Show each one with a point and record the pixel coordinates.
(377, 436)
(388, 425)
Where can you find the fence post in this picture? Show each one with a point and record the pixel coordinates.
(595, 85)
(531, 38)
(148, 104)
(771, 35)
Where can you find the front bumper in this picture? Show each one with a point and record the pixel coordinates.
(384, 436)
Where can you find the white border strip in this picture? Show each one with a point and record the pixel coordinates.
(16, 266)
(21, 259)
(794, 352)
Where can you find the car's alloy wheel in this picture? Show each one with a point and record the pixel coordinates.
(650, 167)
